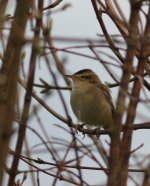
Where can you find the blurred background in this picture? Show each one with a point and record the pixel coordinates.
(61, 39)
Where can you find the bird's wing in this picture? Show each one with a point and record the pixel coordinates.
(106, 91)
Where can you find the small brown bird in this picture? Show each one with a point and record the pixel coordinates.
(91, 100)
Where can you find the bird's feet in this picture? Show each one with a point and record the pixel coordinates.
(80, 126)
(96, 130)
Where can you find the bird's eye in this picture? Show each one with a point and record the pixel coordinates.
(85, 77)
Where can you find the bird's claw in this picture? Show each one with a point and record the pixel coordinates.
(78, 127)
(96, 131)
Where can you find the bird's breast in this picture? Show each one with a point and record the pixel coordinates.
(91, 107)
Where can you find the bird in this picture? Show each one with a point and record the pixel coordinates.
(91, 100)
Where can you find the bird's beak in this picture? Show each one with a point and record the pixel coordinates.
(68, 76)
